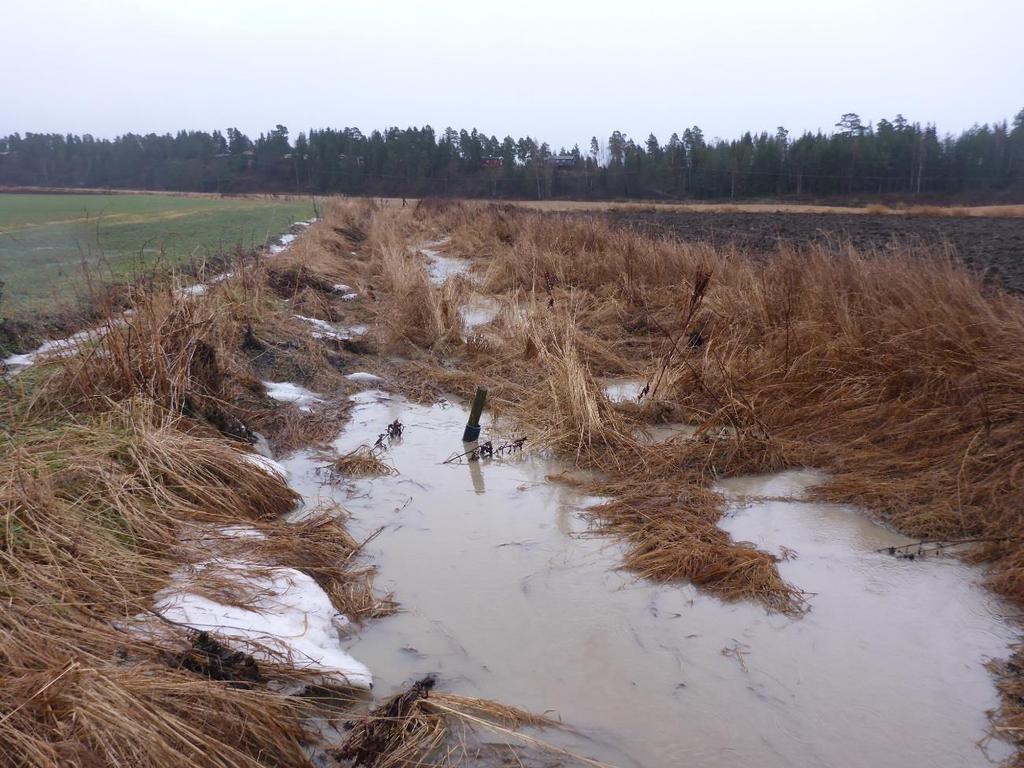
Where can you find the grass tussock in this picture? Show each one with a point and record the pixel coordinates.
(1008, 720)
(420, 726)
(364, 461)
(414, 311)
(96, 516)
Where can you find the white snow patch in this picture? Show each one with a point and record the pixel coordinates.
(286, 614)
(242, 531)
(282, 244)
(268, 465)
(287, 392)
(285, 240)
(325, 330)
(54, 348)
(17, 362)
(346, 292)
(193, 290)
(363, 376)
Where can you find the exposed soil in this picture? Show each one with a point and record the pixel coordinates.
(992, 246)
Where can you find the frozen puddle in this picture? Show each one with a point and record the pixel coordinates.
(479, 310)
(441, 267)
(621, 390)
(503, 601)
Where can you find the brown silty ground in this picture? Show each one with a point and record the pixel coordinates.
(992, 247)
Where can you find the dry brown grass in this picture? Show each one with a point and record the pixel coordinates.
(113, 455)
(414, 311)
(200, 357)
(421, 727)
(853, 363)
(117, 471)
(997, 211)
(95, 513)
(1008, 720)
(364, 461)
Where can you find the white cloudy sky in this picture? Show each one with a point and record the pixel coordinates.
(558, 70)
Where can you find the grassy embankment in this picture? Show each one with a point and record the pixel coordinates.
(125, 465)
(897, 373)
(53, 246)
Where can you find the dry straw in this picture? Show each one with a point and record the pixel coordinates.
(125, 458)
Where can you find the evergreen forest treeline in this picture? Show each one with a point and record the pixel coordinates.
(896, 157)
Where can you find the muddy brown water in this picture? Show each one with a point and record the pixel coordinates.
(505, 595)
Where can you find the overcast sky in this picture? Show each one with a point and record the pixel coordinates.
(561, 71)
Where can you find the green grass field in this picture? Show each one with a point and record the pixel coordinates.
(46, 239)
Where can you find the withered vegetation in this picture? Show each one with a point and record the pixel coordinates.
(420, 726)
(898, 373)
(127, 455)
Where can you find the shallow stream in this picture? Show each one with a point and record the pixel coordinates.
(505, 595)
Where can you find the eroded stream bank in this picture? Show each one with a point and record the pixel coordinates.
(505, 596)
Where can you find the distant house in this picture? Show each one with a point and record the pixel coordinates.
(492, 162)
(563, 161)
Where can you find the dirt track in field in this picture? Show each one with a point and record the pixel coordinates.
(991, 246)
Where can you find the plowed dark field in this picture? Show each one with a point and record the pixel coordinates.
(993, 247)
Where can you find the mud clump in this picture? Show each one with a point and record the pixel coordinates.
(375, 739)
(213, 660)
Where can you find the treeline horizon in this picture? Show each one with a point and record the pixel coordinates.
(887, 158)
